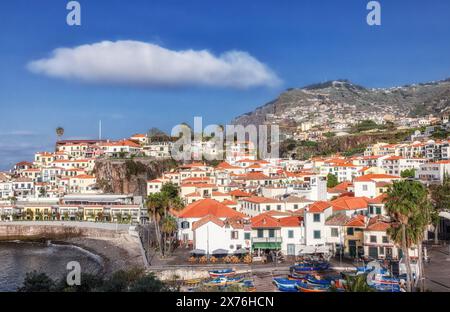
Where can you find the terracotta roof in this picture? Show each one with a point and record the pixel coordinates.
(341, 187)
(225, 165)
(372, 177)
(349, 203)
(220, 194)
(205, 220)
(239, 193)
(261, 200)
(338, 219)
(265, 221)
(207, 206)
(379, 226)
(379, 199)
(229, 202)
(357, 221)
(319, 206)
(253, 176)
(292, 221)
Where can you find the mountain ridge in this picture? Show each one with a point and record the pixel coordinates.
(345, 98)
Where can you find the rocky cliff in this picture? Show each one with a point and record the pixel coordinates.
(129, 176)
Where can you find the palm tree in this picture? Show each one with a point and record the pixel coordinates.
(59, 132)
(405, 204)
(440, 198)
(357, 284)
(168, 228)
(158, 206)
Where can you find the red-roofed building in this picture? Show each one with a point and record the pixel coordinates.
(200, 209)
(373, 185)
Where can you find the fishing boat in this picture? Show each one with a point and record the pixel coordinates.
(285, 285)
(309, 267)
(317, 280)
(222, 273)
(308, 287)
(224, 281)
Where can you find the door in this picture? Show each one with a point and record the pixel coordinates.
(352, 248)
(291, 250)
(373, 252)
(388, 253)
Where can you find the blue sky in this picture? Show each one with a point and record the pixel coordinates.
(299, 42)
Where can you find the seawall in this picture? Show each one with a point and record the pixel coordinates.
(38, 231)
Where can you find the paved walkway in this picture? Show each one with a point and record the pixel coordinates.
(437, 272)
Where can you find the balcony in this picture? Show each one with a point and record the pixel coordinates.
(266, 239)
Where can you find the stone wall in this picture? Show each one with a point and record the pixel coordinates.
(53, 232)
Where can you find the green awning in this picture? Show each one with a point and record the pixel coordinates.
(266, 245)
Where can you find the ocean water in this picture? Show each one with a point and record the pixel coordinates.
(18, 258)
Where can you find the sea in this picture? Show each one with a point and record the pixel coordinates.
(17, 258)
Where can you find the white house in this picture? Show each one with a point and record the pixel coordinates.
(211, 233)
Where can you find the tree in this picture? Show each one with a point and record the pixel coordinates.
(148, 283)
(158, 205)
(59, 132)
(407, 205)
(440, 199)
(357, 283)
(37, 282)
(408, 173)
(332, 180)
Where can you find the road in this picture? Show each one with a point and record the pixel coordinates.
(437, 272)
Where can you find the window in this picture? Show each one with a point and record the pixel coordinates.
(350, 231)
(271, 233)
(385, 240)
(373, 239)
(267, 207)
(260, 233)
(234, 235)
(378, 210)
(364, 187)
(247, 236)
(184, 225)
(381, 250)
(278, 207)
(316, 217)
(291, 234)
(334, 232)
(316, 234)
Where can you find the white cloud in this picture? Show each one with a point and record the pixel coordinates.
(150, 65)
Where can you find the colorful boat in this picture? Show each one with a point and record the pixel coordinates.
(285, 285)
(317, 280)
(222, 273)
(310, 267)
(224, 281)
(308, 287)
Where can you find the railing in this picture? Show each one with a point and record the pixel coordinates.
(266, 239)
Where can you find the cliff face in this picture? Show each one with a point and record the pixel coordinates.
(352, 144)
(129, 176)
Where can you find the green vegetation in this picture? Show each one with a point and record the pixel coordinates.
(357, 284)
(354, 151)
(329, 134)
(411, 212)
(158, 206)
(366, 125)
(440, 200)
(332, 180)
(440, 134)
(408, 173)
(134, 280)
(134, 168)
